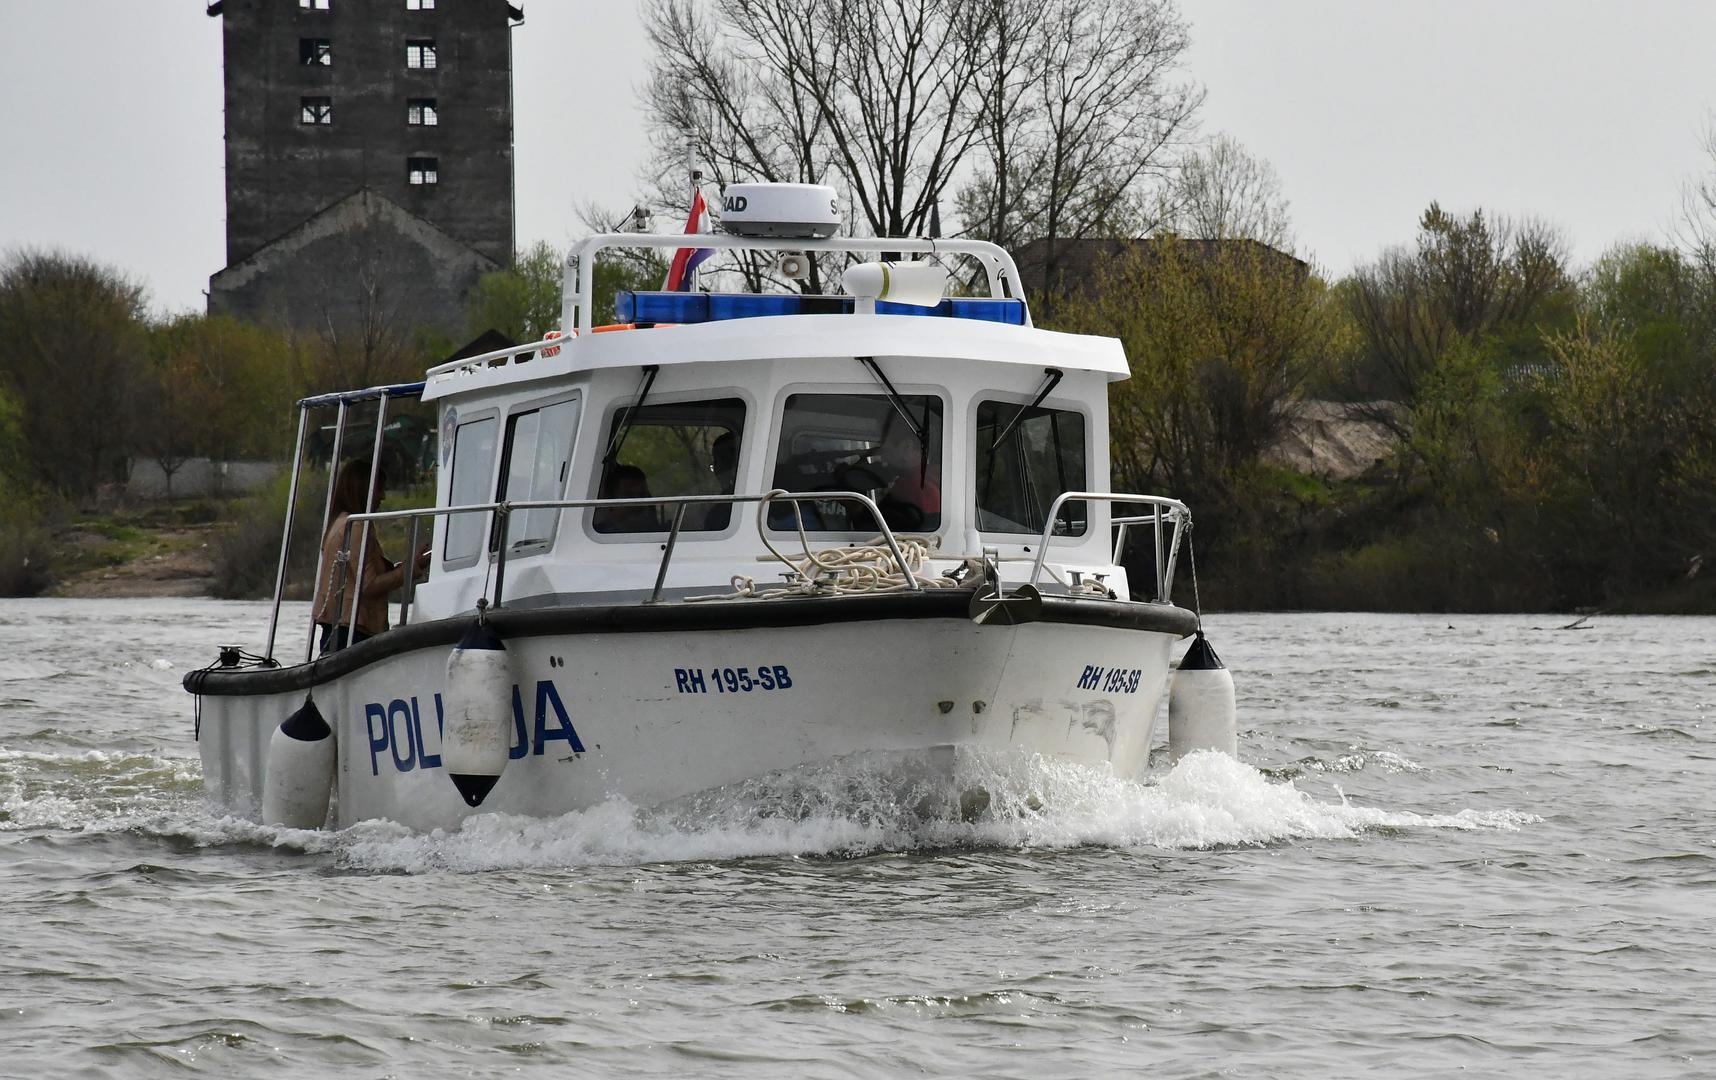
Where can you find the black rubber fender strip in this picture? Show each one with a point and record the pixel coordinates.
(714, 615)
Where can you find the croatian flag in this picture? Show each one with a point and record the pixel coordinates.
(682, 274)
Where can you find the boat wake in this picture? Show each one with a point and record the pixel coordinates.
(852, 807)
(876, 804)
(103, 790)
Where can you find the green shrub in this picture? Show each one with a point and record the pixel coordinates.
(26, 549)
(247, 551)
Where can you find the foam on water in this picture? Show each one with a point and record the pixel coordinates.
(91, 789)
(851, 807)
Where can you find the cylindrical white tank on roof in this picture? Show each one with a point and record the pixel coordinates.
(921, 283)
(1201, 713)
(477, 734)
(299, 777)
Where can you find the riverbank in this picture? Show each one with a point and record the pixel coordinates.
(155, 552)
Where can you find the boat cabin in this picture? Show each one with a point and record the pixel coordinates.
(961, 429)
(678, 455)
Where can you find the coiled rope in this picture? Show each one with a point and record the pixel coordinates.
(869, 567)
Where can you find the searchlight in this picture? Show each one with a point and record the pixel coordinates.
(917, 284)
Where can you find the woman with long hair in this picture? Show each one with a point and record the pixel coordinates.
(380, 576)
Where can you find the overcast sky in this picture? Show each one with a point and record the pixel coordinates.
(1586, 114)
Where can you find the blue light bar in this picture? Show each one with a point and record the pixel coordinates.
(680, 307)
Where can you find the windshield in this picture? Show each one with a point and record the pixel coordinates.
(861, 442)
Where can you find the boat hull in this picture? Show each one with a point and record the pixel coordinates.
(648, 714)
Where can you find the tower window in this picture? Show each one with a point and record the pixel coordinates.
(419, 5)
(422, 171)
(420, 112)
(315, 51)
(316, 110)
(420, 55)
(313, 5)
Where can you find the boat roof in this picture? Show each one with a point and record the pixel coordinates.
(784, 337)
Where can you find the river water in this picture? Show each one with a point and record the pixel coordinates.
(1478, 843)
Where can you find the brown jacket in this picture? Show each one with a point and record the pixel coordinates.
(380, 577)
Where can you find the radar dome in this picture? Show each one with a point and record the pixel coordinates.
(799, 211)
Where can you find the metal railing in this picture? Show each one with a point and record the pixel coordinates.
(497, 358)
(578, 292)
(999, 270)
(344, 399)
(1164, 512)
(503, 511)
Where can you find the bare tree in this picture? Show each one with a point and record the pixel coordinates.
(364, 319)
(878, 92)
(715, 99)
(1030, 118)
(1223, 192)
(1084, 110)
(1695, 231)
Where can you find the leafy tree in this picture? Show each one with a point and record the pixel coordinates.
(1468, 279)
(24, 544)
(523, 301)
(15, 466)
(71, 346)
(1627, 450)
(215, 387)
(1221, 337)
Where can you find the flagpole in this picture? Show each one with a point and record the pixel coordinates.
(697, 270)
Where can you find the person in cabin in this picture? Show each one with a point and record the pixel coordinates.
(724, 463)
(380, 576)
(626, 482)
(915, 494)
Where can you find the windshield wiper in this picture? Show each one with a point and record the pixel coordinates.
(917, 429)
(1052, 379)
(625, 425)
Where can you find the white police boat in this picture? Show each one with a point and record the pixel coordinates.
(738, 533)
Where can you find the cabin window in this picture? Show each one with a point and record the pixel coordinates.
(316, 110)
(677, 448)
(861, 442)
(313, 5)
(473, 465)
(315, 52)
(1035, 460)
(537, 455)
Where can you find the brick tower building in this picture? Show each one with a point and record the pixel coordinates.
(368, 160)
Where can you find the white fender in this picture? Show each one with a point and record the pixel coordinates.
(478, 734)
(299, 776)
(1201, 713)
